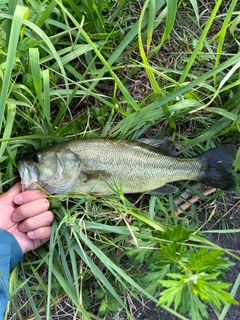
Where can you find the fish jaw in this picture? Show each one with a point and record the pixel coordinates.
(28, 175)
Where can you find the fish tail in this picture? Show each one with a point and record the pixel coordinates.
(217, 167)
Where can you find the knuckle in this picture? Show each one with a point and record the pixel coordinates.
(46, 219)
(50, 217)
(43, 233)
(24, 226)
(20, 211)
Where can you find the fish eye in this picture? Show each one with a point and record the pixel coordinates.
(36, 158)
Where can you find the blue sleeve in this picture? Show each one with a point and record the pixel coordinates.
(10, 255)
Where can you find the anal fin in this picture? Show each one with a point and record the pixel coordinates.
(166, 189)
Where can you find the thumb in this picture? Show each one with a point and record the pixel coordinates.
(11, 193)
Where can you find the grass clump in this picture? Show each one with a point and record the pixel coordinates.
(122, 69)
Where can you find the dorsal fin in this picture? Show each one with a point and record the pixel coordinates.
(165, 146)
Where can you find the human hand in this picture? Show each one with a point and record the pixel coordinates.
(26, 216)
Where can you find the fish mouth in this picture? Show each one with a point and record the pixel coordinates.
(29, 176)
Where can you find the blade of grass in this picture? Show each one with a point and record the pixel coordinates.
(11, 9)
(195, 8)
(156, 88)
(234, 29)
(46, 12)
(71, 53)
(50, 49)
(36, 76)
(64, 284)
(93, 10)
(55, 270)
(125, 92)
(95, 270)
(12, 48)
(222, 34)
(227, 114)
(123, 44)
(151, 18)
(229, 74)
(19, 14)
(153, 111)
(210, 133)
(171, 15)
(200, 42)
(237, 161)
(118, 272)
(233, 293)
(46, 96)
(75, 8)
(31, 303)
(93, 226)
(150, 74)
(8, 128)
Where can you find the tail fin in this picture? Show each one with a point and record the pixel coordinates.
(217, 166)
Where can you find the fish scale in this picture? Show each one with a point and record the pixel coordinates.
(102, 166)
(148, 165)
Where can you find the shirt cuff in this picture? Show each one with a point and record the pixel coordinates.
(10, 249)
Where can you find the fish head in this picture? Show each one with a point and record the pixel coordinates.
(55, 172)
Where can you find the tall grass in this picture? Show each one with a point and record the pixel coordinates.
(74, 68)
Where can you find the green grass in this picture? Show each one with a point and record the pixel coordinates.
(122, 69)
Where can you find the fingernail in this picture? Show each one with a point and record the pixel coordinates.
(31, 234)
(18, 199)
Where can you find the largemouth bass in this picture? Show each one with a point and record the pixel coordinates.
(101, 166)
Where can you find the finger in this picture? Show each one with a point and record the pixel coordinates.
(44, 219)
(11, 193)
(28, 196)
(42, 234)
(30, 209)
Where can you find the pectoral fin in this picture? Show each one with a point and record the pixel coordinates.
(94, 175)
(166, 189)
